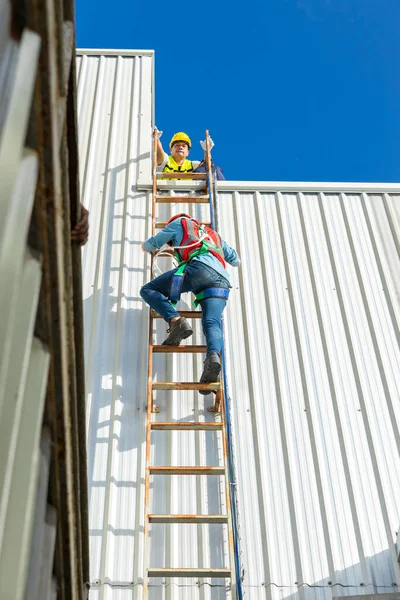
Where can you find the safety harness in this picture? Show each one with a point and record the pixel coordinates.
(197, 239)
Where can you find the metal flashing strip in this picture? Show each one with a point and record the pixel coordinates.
(110, 52)
(307, 186)
(385, 596)
(291, 186)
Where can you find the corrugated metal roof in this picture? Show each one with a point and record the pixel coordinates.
(312, 332)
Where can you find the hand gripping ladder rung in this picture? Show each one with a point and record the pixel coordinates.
(224, 520)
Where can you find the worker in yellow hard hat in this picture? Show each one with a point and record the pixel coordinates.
(180, 146)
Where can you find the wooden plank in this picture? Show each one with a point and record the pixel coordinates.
(188, 314)
(181, 196)
(182, 200)
(214, 573)
(179, 349)
(221, 519)
(186, 470)
(178, 175)
(186, 426)
(162, 224)
(182, 385)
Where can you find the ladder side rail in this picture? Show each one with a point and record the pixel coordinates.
(228, 486)
(149, 391)
(220, 399)
(207, 160)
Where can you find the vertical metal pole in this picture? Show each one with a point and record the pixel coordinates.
(228, 499)
(221, 404)
(208, 162)
(207, 155)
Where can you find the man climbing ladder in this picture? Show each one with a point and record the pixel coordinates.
(202, 255)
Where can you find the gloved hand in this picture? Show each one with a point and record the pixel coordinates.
(157, 133)
(203, 145)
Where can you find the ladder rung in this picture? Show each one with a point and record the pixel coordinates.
(188, 519)
(188, 314)
(179, 349)
(181, 196)
(187, 470)
(185, 385)
(178, 175)
(184, 199)
(162, 224)
(186, 426)
(215, 573)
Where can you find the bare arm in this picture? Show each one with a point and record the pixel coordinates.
(80, 233)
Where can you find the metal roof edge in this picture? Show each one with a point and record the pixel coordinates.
(112, 52)
(307, 186)
(296, 186)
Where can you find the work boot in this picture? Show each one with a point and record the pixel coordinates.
(212, 368)
(178, 330)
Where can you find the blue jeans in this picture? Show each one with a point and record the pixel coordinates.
(197, 277)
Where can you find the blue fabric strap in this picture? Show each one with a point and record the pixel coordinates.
(175, 289)
(211, 293)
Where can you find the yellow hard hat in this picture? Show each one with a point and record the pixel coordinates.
(180, 137)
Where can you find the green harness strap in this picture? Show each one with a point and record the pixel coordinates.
(177, 280)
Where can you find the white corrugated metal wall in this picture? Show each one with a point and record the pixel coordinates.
(314, 325)
(112, 93)
(312, 337)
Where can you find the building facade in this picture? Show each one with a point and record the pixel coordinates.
(312, 341)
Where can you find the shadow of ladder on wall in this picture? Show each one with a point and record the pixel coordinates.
(152, 426)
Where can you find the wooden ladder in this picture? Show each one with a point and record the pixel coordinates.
(152, 426)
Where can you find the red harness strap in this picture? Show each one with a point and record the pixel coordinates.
(194, 239)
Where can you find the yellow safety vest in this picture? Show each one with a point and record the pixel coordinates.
(171, 166)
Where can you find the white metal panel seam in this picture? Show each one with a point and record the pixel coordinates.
(106, 195)
(309, 237)
(391, 310)
(373, 449)
(293, 284)
(356, 374)
(247, 257)
(14, 131)
(12, 253)
(22, 333)
(13, 567)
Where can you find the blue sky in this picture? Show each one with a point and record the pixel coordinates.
(291, 90)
